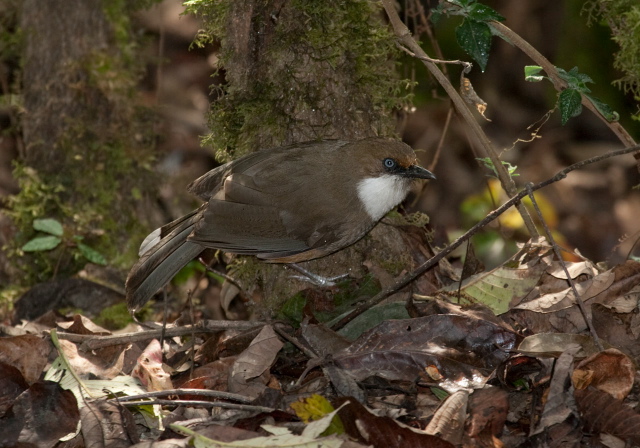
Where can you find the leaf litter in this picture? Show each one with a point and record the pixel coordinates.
(506, 365)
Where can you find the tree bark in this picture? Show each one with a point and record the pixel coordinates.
(299, 71)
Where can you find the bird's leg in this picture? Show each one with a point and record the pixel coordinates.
(315, 279)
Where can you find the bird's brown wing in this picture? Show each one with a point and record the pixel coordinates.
(207, 185)
(273, 207)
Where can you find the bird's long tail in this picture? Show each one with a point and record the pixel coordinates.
(162, 254)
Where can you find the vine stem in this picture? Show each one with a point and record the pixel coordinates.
(559, 83)
(405, 38)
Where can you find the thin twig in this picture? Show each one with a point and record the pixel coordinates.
(557, 81)
(178, 392)
(93, 342)
(445, 129)
(404, 281)
(227, 277)
(309, 353)
(465, 64)
(556, 250)
(206, 404)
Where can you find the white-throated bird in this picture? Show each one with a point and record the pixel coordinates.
(283, 205)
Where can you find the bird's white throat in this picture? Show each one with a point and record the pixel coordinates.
(381, 194)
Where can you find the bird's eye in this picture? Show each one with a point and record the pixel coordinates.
(389, 163)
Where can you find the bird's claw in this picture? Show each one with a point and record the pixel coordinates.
(315, 279)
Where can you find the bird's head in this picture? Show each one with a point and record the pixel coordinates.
(385, 171)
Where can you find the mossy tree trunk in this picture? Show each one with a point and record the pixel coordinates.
(303, 70)
(86, 144)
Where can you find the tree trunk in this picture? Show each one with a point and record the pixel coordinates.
(299, 71)
(85, 142)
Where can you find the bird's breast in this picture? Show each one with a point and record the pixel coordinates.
(380, 194)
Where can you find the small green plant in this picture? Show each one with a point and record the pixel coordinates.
(570, 99)
(474, 37)
(475, 32)
(52, 235)
(489, 164)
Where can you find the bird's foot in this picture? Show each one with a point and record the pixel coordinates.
(315, 279)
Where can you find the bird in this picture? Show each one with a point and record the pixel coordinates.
(283, 205)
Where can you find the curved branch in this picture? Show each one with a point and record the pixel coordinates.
(559, 83)
(405, 38)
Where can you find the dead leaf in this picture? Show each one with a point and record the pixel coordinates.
(149, 369)
(514, 279)
(106, 423)
(40, 416)
(610, 371)
(464, 350)
(560, 412)
(105, 363)
(382, 432)
(556, 312)
(488, 410)
(449, 420)
(553, 344)
(603, 413)
(27, 353)
(12, 384)
(250, 372)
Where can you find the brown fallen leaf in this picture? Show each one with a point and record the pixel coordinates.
(488, 410)
(27, 353)
(149, 369)
(12, 384)
(556, 312)
(106, 423)
(382, 432)
(250, 372)
(610, 371)
(602, 413)
(461, 349)
(40, 416)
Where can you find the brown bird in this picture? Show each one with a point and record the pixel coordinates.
(283, 205)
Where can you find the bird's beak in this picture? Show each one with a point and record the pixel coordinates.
(417, 172)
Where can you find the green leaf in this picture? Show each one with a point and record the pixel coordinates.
(531, 73)
(606, 111)
(48, 225)
(570, 103)
(575, 79)
(436, 15)
(475, 38)
(41, 244)
(483, 13)
(440, 394)
(487, 162)
(92, 255)
(190, 270)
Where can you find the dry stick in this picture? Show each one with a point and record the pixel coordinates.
(405, 38)
(210, 404)
(436, 156)
(178, 392)
(556, 250)
(309, 353)
(404, 281)
(559, 83)
(92, 342)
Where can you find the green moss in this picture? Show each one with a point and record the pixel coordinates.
(623, 18)
(11, 37)
(114, 317)
(106, 162)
